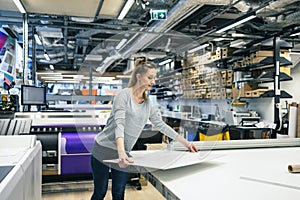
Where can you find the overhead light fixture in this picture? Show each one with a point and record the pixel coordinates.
(295, 34)
(218, 39)
(125, 9)
(50, 73)
(20, 6)
(237, 22)
(91, 57)
(238, 35)
(51, 67)
(37, 39)
(198, 48)
(122, 42)
(47, 56)
(238, 43)
(62, 81)
(241, 35)
(124, 76)
(83, 19)
(165, 62)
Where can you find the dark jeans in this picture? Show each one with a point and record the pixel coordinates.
(101, 175)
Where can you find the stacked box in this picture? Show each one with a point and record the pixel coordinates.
(258, 92)
(242, 91)
(226, 52)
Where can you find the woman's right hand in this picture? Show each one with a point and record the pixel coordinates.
(124, 160)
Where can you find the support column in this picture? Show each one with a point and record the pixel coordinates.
(34, 69)
(91, 79)
(25, 49)
(277, 92)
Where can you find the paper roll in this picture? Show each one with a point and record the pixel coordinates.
(294, 168)
(292, 122)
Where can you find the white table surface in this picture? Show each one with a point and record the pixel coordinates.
(24, 181)
(239, 174)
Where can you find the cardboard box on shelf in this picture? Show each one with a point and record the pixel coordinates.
(262, 53)
(258, 92)
(226, 52)
(286, 70)
(242, 91)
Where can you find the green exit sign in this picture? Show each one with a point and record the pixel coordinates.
(158, 14)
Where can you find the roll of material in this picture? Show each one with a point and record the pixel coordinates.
(292, 132)
(294, 168)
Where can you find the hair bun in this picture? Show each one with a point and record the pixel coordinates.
(139, 61)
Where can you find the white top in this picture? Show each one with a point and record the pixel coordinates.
(128, 119)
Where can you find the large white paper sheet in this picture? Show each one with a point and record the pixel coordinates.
(166, 159)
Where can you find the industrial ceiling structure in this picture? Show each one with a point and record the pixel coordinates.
(103, 35)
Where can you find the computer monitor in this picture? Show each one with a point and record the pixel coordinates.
(32, 95)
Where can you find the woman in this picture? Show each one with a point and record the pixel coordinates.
(130, 112)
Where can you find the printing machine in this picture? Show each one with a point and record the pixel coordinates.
(66, 138)
(241, 118)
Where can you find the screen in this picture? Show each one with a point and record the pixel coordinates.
(32, 95)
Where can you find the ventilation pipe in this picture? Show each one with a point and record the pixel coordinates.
(180, 11)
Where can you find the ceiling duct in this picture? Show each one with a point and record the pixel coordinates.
(180, 11)
(273, 15)
(275, 7)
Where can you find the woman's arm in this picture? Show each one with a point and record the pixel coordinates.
(156, 119)
(123, 158)
(190, 146)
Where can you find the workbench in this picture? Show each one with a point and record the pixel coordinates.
(238, 173)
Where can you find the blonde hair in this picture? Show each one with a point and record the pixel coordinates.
(141, 67)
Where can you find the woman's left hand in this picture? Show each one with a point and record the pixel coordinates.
(192, 148)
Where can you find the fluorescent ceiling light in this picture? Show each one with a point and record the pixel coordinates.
(20, 6)
(244, 35)
(122, 42)
(73, 76)
(104, 78)
(52, 78)
(238, 43)
(61, 81)
(295, 34)
(37, 39)
(198, 48)
(218, 39)
(48, 73)
(46, 56)
(83, 19)
(238, 35)
(124, 76)
(51, 67)
(125, 9)
(110, 82)
(91, 57)
(46, 78)
(243, 20)
(165, 62)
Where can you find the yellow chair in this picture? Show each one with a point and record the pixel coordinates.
(218, 136)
